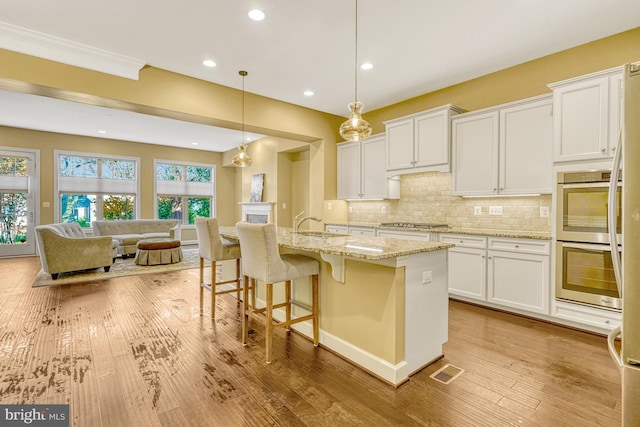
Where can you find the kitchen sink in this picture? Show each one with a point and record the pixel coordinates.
(323, 234)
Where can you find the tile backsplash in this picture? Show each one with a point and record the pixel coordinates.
(426, 197)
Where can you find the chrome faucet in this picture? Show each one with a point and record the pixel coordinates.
(297, 222)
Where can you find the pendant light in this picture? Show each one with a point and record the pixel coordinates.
(242, 159)
(355, 128)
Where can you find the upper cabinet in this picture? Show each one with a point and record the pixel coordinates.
(359, 171)
(587, 116)
(420, 142)
(503, 150)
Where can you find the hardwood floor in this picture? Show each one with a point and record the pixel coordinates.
(133, 351)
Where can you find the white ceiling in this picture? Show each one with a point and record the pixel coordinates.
(416, 46)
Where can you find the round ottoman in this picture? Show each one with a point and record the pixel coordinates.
(158, 251)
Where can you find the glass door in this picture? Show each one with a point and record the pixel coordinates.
(17, 208)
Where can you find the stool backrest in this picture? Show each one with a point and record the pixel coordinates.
(209, 242)
(260, 252)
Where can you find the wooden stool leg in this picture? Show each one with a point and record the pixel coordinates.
(238, 278)
(287, 297)
(314, 308)
(245, 312)
(269, 325)
(201, 283)
(213, 289)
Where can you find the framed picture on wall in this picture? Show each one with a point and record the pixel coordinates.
(257, 185)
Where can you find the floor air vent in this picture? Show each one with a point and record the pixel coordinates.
(447, 373)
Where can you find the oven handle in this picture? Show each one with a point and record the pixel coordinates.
(612, 217)
(604, 185)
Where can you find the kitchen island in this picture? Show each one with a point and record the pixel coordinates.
(383, 301)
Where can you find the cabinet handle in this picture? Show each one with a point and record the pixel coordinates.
(501, 188)
(461, 241)
(517, 246)
(606, 321)
(613, 148)
(603, 150)
(490, 257)
(494, 190)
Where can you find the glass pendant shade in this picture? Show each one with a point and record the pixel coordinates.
(241, 159)
(355, 128)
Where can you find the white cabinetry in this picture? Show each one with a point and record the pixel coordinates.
(518, 274)
(587, 116)
(420, 142)
(466, 268)
(407, 235)
(360, 166)
(503, 150)
(504, 272)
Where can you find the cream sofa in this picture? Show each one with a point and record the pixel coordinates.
(64, 247)
(128, 232)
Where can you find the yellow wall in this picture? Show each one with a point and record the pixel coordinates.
(521, 81)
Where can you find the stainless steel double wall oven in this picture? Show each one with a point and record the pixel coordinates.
(584, 271)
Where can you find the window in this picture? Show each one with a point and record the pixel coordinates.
(13, 200)
(92, 187)
(184, 191)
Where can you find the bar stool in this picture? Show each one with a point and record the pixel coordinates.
(213, 248)
(262, 262)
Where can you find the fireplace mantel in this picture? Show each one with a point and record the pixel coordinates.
(257, 212)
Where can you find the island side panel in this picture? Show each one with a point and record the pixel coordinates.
(427, 308)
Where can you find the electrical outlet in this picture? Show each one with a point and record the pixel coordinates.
(284, 206)
(350, 209)
(427, 277)
(329, 205)
(544, 212)
(477, 210)
(383, 209)
(495, 210)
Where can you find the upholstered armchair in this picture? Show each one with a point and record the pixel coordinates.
(64, 247)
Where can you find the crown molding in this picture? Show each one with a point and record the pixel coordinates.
(41, 45)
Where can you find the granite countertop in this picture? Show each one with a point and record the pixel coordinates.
(516, 234)
(363, 247)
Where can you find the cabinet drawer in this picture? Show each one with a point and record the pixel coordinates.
(596, 317)
(520, 245)
(341, 229)
(362, 231)
(464, 240)
(407, 235)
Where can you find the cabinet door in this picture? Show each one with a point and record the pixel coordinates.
(475, 154)
(374, 181)
(580, 117)
(526, 146)
(349, 170)
(431, 144)
(400, 144)
(467, 272)
(518, 280)
(615, 110)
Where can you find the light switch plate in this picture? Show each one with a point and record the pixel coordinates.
(477, 210)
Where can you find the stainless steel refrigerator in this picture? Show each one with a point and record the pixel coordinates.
(628, 276)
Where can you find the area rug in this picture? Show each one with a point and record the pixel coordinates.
(122, 267)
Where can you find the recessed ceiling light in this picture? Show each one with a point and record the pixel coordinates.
(102, 131)
(248, 138)
(209, 63)
(256, 15)
(194, 143)
(366, 66)
(308, 93)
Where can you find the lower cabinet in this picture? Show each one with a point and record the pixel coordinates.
(518, 280)
(407, 235)
(502, 271)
